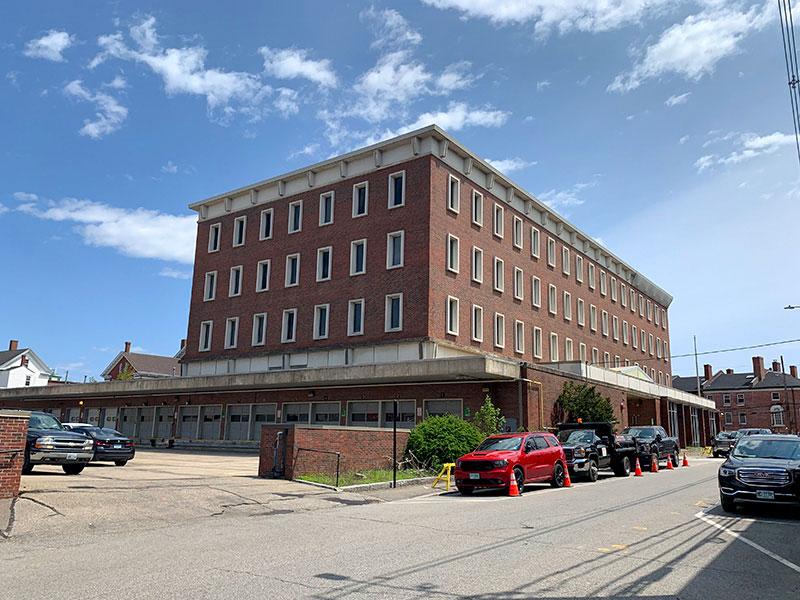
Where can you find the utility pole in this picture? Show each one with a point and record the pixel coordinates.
(697, 368)
(793, 408)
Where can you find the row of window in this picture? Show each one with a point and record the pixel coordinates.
(775, 413)
(726, 398)
(360, 208)
(395, 250)
(393, 322)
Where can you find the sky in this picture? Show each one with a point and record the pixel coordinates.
(660, 127)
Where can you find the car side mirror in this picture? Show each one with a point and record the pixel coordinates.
(658, 437)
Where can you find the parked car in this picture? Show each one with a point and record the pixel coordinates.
(528, 457)
(109, 444)
(49, 443)
(761, 469)
(590, 447)
(653, 444)
(722, 442)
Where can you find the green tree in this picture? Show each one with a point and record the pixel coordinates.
(488, 418)
(439, 440)
(581, 401)
(125, 374)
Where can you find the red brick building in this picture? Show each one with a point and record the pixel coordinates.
(410, 270)
(139, 365)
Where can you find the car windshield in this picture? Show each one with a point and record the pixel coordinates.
(509, 443)
(756, 448)
(724, 435)
(44, 422)
(577, 436)
(111, 432)
(645, 432)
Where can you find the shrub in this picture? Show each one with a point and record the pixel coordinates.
(439, 440)
(488, 418)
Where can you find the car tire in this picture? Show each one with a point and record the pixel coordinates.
(715, 454)
(72, 469)
(594, 471)
(728, 505)
(558, 476)
(465, 491)
(622, 467)
(27, 467)
(520, 477)
(674, 458)
(120, 463)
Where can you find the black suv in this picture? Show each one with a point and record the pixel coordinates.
(48, 443)
(590, 447)
(761, 469)
(653, 444)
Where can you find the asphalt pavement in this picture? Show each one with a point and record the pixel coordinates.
(658, 536)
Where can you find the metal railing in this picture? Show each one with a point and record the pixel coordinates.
(337, 454)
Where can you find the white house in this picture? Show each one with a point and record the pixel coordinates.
(21, 367)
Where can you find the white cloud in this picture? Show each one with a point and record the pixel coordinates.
(25, 197)
(286, 102)
(50, 46)
(138, 232)
(291, 63)
(677, 99)
(704, 163)
(118, 83)
(13, 78)
(3, 209)
(455, 77)
(395, 79)
(308, 150)
(174, 273)
(170, 168)
(390, 29)
(683, 140)
(693, 47)
(746, 147)
(109, 115)
(507, 165)
(565, 199)
(542, 85)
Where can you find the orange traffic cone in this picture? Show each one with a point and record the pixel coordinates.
(669, 462)
(638, 471)
(567, 480)
(685, 461)
(513, 488)
(654, 464)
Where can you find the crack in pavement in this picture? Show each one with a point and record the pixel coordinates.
(6, 532)
(40, 503)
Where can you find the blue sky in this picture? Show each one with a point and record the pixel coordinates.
(660, 127)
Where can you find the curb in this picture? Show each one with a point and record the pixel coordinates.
(364, 487)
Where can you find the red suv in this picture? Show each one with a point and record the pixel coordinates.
(530, 457)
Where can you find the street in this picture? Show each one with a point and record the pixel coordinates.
(660, 536)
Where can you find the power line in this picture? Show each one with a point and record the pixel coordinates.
(790, 57)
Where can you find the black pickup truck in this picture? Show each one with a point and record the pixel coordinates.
(590, 447)
(49, 443)
(653, 444)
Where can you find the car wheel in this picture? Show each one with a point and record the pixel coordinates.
(675, 458)
(714, 453)
(593, 472)
(558, 476)
(520, 477)
(622, 468)
(120, 463)
(72, 469)
(27, 467)
(728, 505)
(464, 491)
(653, 459)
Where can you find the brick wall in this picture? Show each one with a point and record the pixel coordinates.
(13, 428)
(756, 408)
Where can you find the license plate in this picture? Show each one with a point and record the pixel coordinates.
(765, 495)
(474, 475)
(72, 456)
(117, 447)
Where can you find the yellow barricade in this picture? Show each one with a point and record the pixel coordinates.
(445, 474)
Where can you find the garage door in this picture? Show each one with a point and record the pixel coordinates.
(187, 425)
(72, 415)
(130, 416)
(165, 415)
(237, 426)
(146, 420)
(210, 420)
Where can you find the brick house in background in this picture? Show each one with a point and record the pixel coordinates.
(142, 366)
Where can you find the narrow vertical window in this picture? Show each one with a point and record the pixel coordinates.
(477, 323)
(289, 326)
(581, 310)
(358, 257)
(477, 209)
(553, 347)
(565, 260)
(355, 317)
(239, 230)
(537, 342)
(265, 228)
(613, 289)
(592, 317)
(499, 330)
(452, 253)
(292, 276)
(205, 335)
(397, 189)
(477, 264)
(210, 286)
(262, 275)
(321, 318)
(582, 352)
(360, 199)
(536, 291)
(214, 233)
(604, 323)
(625, 333)
(499, 215)
(518, 284)
(552, 302)
(326, 208)
(615, 328)
(235, 281)
(535, 242)
(603, 284)
(453, 194)
(551, 252)
(393, 319)
(567, 306)
(591, 276)
(516, 232)
(394, 249)
(499, 275)
(231, 332)
(259, 329)
(568, 349)
(324, 258)
(452, 315)
(623, 295)
(295, 216)
(519, 337)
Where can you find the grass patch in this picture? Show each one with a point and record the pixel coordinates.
(373, 476)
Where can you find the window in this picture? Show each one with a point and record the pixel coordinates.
(519, 337)
(453, 194)
(325, 412)
(726, 399)
(452, 315)
(535, 242)
(604, 323)
(658, 348)
(582, 352)
(595, 356)
(607, 362)
(740, 398)
(477, 264)
(518, 284)
(326, 208)
(537, 342)
(644, 341)
(567, 306)
(581, 312)
(613, 289)
(618, 363)
(394, 249)
(649, 311)
(592, 317)
(776, 396)
(477, 323)
(289, 326)
(728, 418)
(452, 253)
(551, 252)
(214, 233)
(536, 291)
(568, 350)
(438, 408)
(578, 268)
(324, 257)
(663, 318)
(499, 283)
(262, 275)
(259, 329)
(265, 228)
(360, 199)
(776, 415)
(625, 336)
(633, 300)
(239, 230)
(235, 281)
(553, 347)
(393, 317)
(296, 412)
(499, 330)
(657, 316)
(397, 189)
(565, 260)
(651, 346)
(358, 257)
(552, 303)
(477, 208)
(591, 276)
(295, 216)
(210, 286)
(623, 296)
(641, 305)
(355, 317)
(27, 380)
(321, 319)
(742, 418)
(516, 232)
(498, 220)
(615, 328)
(292, 270)
(666, 351)
(231, 331)
(205, 335)
(603, 283)
(634, 336)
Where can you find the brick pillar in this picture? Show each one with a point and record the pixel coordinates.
(13, 430)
